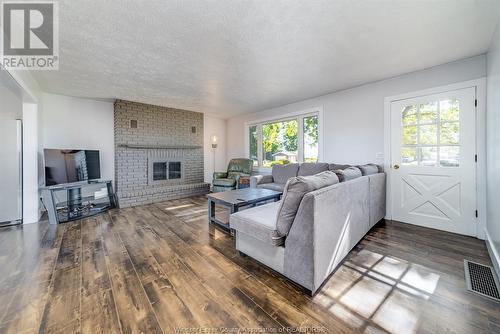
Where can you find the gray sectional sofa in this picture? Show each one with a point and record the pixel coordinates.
(326, 209)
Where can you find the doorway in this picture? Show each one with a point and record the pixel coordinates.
(433, 160)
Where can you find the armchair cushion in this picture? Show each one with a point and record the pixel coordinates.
(220, 175)
(236, 175)
(226, 182)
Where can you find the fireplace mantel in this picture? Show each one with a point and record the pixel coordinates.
(160, 147)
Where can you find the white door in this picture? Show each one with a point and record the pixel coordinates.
(433, 153)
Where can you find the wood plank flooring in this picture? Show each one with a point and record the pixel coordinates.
(161, 269)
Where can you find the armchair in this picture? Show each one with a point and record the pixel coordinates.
(229, 180)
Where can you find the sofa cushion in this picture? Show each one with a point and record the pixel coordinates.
(295, 190)
(281, 173)
(224, 182)
(259, 223)
(272, 186)
(334, 167)
(311, 168)
(349, 173)
(368, 169)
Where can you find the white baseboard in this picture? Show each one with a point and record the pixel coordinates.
(495, 256)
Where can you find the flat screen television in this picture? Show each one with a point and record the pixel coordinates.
(67, 166)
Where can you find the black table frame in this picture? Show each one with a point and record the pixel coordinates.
(235, 206)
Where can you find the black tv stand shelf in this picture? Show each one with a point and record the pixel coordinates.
(73, 201)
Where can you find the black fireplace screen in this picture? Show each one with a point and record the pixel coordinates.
(167, 170)
(174, 170)
(159, 171)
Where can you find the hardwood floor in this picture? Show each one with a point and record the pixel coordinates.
(160, 268)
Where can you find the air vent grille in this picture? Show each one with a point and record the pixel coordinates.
(481, 279)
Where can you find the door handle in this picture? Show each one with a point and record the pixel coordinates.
(396, 166)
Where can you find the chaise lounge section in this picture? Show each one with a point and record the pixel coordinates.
(333, 211)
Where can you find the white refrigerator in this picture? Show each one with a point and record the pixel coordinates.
(11, 178)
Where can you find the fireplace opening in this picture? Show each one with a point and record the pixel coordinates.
(174, 170)
(163, 170)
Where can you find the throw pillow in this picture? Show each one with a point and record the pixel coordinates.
(295, 189)
(349, 173)
(368, 169)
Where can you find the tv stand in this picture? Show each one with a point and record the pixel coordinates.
(73, 201)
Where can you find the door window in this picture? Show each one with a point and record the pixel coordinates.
(431, 134)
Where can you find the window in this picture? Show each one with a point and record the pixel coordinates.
(311, 145)
(283, 141)
(279, 143)
(431, 134)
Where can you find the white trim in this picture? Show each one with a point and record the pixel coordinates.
(493, 251)
(292, 115)
(321, 147)
(31, 210)
(318, 109)
(481, 153)
(480, 86)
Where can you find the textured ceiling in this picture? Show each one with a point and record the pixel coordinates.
(229, 57)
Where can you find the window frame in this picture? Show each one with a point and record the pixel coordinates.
(299, 117)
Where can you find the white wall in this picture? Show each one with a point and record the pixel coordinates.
(214, 126)
(493, 147)
(69, 122)
(354, 118)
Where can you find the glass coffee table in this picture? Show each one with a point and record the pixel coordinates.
(234, 200)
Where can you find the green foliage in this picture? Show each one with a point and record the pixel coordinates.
(291, 141)
(279, 162)
(311, 129)
(270, 136)
(283, 137)
(410, 135)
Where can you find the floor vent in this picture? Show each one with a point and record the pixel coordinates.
(481, 279)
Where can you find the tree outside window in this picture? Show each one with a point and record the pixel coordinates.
(285, 141)
(279, 143)
(311, 134)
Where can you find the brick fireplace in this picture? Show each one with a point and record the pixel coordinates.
(158, 153)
